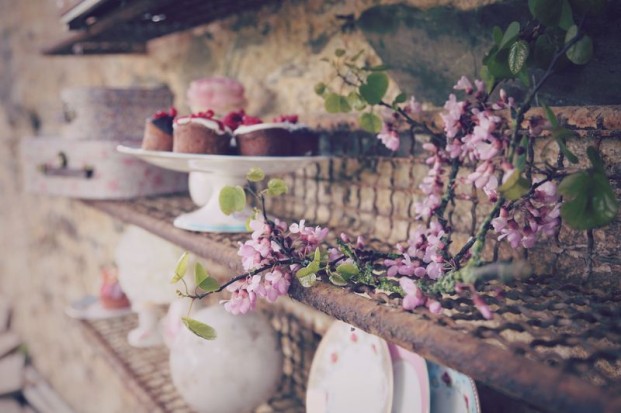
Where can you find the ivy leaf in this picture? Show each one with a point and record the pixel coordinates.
(335, 103)
(232, 199)
(370, 122)
(200, 329)
(589, 200)
(347, 270)
(181, 267)
(547, 12)
(356, 101)
(320, 88)
(375, 88)
(560, 135)
(276, 187)
(518, 53)
(580, 52)
(255, 175)
(515, 186)
(400, 98)
(512, 32)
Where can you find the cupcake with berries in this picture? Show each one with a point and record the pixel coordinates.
(201, 133)
(281, 137)
(158, 132)
(218, 93)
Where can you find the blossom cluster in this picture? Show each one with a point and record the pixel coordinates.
(271, 246)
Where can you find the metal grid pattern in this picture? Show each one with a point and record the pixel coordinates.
(147, 370)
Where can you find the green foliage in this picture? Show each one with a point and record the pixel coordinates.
(255, 175)
(560, 135)
(203, 280)
(200, 329)
(355, 101)
(320, 88)
(375, 88)
(232, 199)
(400, 98)
(515, 186)
(547, 12)
(276, 187)
(581, 52)
(347, 270)
(518, 53)
(335, 103)
(308, 275)
(181, 267)
(567, 16)
(370, 122)
(589, 200)
(512, 32)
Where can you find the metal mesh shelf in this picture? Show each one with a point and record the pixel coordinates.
(553, 345)
(147, 372)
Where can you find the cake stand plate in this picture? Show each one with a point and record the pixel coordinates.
(217, 172)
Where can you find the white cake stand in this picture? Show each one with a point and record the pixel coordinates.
(218, 171)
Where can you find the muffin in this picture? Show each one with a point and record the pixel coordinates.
(282, 137)
(201, 133)
(158, 131)
(220, 94)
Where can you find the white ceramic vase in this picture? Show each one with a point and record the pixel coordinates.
(234, 373)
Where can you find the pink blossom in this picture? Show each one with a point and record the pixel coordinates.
(464, 84)
(480, 85)
(413, 106)
(276, 284)
(389, 137)
(435, 270)
(414, 297)
(297, 228)
(240, 302)
(402, 266)
(454, 111)
(482, 306)
(434, 306)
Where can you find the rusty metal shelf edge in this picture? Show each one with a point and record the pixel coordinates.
(519, 377)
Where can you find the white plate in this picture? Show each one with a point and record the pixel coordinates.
(351, 372)
(89, 308)
(192, 162)
(411, 382)
(452, 391)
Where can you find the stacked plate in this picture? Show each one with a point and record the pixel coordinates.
(357, 372)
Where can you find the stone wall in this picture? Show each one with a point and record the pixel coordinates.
(52, 249)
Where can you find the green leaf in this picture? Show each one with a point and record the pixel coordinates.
(512, 32)
(489, 80)
(497, 35)
(560, 135)
(320, 88)
(255, 175)
(596, 159)
(181, 267)
(581, 52)
(520, 161)
(276, 187)
(567, 17)
(356, 101)
(589, 200)
(498, 65)
(347, 270)
(200, 329)
(370, 122)
(400, 98)
(200, 274)
(232, 199)
(515, 186)
(551, 116)
(308, 280)
(209, 285)
(317, 255)
(518, 53)
(339, 52)
(337, 280)
(547, 12)
(336, 103)
(311, 268)
(375, 88)
(523, 77)
(545, 49)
